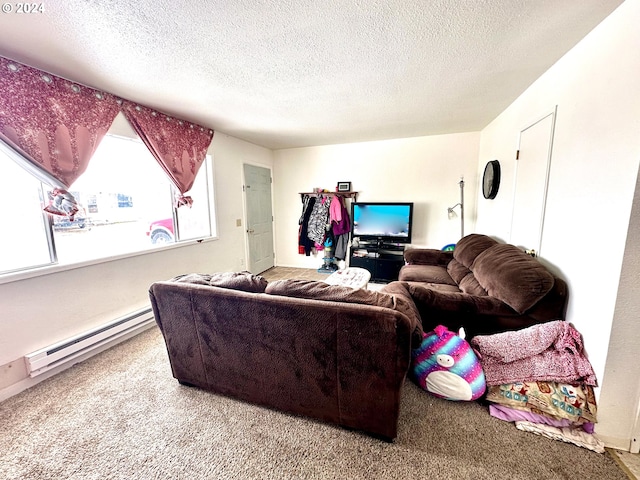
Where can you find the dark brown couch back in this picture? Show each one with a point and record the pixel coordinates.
(343, 363)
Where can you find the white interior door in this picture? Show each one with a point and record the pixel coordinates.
(257, 188)
(531, 181)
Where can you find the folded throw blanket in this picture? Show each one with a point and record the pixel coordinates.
(510, 346)
(549, 351)
(573, 435)
(514, 415)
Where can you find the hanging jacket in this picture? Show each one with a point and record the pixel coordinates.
(318, 221)
(341, 229)
(304, 243)
(335, 210)
(343, 225)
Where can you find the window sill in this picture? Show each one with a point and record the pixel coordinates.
(50, 269)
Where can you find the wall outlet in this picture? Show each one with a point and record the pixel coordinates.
(242, 262)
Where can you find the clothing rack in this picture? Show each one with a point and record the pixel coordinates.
(317, 220)
(353, 195)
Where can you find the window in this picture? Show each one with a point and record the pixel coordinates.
(126, 206)
(24, 231)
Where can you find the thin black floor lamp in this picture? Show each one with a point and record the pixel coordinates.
(451, 212)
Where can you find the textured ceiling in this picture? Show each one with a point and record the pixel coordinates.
(289, 73)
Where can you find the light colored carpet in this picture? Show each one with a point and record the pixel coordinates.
(121, 415)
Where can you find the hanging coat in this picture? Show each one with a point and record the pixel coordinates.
(318, 221)
(341, 230)
(304, 243)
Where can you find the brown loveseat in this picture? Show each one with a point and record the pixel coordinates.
(484, 286)
(328, 352)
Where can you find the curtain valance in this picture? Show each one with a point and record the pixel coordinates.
(54, 123)
(178, 146)
(57, 125)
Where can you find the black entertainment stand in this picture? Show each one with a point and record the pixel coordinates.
(383, 260)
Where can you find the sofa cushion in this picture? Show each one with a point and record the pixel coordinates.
(397, 298)
(245, 281)
(457, 271)
(469, 284)
(427, 256)
(429, 300)
(512, 276)
(469, 247)
(425, 273)
(441, 287)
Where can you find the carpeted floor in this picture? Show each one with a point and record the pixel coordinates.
(121, 415)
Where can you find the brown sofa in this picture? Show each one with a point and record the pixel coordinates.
(328, 352)
(484, 286)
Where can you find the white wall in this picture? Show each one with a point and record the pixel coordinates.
(39, 311)
(423, 170)
(594, 167)
(621, 384)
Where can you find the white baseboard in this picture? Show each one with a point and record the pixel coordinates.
(623, 444)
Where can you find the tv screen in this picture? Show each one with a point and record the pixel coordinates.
(382, 222)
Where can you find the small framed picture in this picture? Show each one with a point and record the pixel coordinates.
(343, 187)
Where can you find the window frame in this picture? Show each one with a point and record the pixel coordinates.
(54, 267)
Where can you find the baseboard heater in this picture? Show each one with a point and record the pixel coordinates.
(63, 352)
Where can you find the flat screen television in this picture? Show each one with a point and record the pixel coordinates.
(382, 222)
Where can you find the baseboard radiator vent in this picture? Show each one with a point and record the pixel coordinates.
(66, 351)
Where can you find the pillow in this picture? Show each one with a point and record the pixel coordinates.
(446, 366)
(512, 276)
(244, 281)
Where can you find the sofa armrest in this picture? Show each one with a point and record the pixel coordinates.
(406, 305)
(427, 256)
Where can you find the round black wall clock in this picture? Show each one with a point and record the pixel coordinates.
(491, 179)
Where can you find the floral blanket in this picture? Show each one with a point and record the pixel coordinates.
(576, 403)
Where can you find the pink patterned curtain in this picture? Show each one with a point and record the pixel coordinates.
(179, 147)
(55, 124)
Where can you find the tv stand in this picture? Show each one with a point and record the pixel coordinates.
(383, 260)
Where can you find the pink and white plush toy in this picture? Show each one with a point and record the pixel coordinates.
(446, 366)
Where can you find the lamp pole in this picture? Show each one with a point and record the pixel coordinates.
(461, 207)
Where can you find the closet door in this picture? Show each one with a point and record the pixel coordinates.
(531, 182)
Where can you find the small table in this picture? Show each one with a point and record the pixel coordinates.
(353, 277)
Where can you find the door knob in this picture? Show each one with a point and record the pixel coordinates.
(250, 230)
